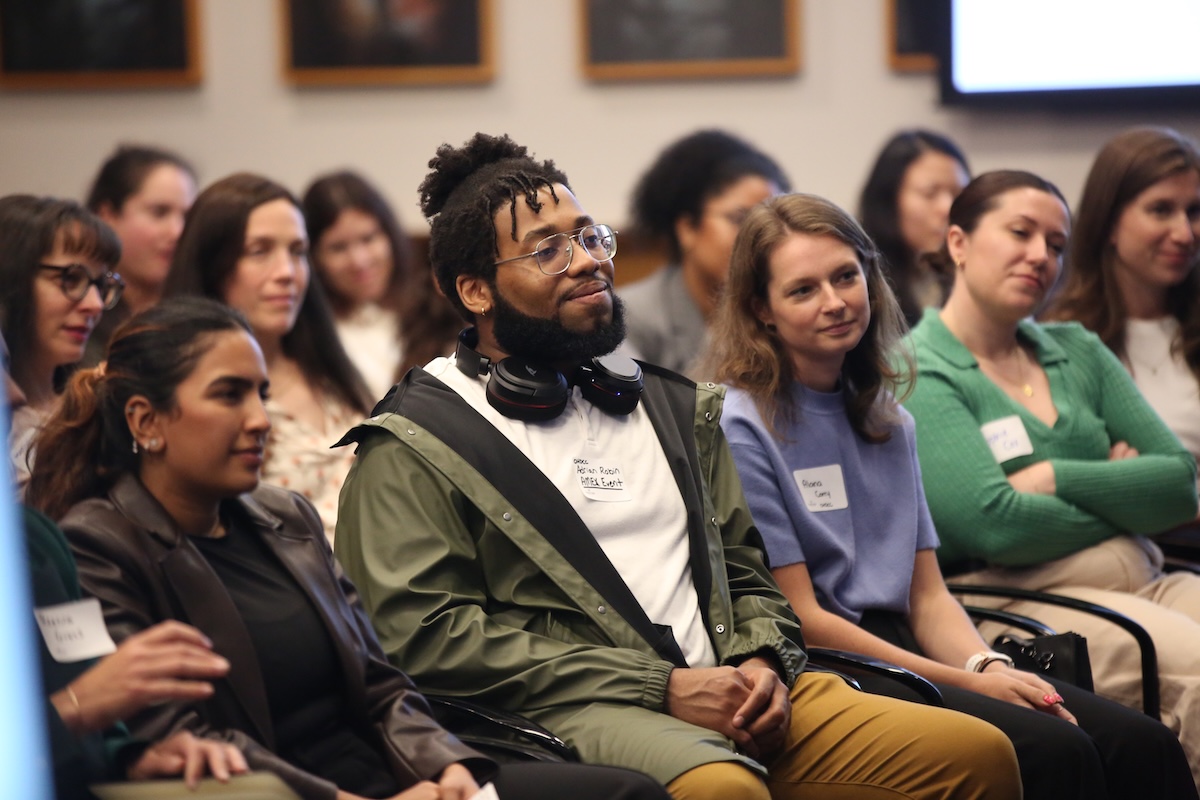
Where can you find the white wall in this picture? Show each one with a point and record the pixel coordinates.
(823, 125)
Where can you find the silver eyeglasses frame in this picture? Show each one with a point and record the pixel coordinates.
(603, 232)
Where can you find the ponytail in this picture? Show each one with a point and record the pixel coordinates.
(75, 455)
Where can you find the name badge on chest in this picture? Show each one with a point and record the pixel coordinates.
(602, 479)
(822, 488)
(74, 631)
(1007, 438)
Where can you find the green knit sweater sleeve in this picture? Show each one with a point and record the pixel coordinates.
(1147, 494)
(977, 513)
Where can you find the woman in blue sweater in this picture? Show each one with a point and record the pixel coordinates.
(805, 336)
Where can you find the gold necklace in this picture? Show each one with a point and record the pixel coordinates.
(1021, 356)
(1024, 385)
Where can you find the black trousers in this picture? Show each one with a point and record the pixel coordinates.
(549, 781)
(1115, 752)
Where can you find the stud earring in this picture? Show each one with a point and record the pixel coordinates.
(152, 445)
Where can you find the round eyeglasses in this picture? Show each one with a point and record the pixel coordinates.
(554, 253)
(75, 280)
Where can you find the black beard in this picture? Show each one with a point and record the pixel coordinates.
(546, 341)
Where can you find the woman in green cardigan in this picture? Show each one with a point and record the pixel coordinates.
(1043, 466)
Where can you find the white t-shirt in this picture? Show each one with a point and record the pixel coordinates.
(371, 338)
(1164, 378)
(613, 472)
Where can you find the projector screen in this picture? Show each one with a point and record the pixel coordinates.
(1048, 52)
(25, 767)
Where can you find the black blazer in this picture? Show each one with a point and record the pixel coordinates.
(144, 570)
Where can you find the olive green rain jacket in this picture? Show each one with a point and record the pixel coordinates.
(483, 583)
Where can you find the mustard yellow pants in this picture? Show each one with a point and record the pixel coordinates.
(848, 744)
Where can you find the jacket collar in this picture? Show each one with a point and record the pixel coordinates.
(947, 346)
(130, 496)
(201, 595)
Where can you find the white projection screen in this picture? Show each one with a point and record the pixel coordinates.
(1088, 51)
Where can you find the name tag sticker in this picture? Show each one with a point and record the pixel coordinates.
(602, 479)
(488, 792)
(1007, 438)
(822, 488)
(74, 631)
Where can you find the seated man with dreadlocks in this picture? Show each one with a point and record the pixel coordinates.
(544, 528)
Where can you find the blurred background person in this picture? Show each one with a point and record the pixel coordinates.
(692, 200)
(143, 194)
(388, 312)
(1131, 273)
(245, 244)
(904, 206)
(56, 279)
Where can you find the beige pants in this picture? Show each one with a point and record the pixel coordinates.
(845, 744)
(1124, 574)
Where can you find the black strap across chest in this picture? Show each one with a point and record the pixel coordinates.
(441, 411)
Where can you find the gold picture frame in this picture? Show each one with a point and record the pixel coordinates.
(63, 45)
(908, 40)
(324, 44)
(623, 40)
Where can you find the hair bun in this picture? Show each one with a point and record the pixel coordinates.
(452, 166)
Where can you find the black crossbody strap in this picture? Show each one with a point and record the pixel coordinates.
(440, 410)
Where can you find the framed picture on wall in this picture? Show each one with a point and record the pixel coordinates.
(911, 35)
(640, 39)
(82, 44)
(382, 42)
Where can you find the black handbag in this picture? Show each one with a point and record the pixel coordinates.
(1063, 656)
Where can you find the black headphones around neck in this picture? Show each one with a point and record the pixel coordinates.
(530, 392)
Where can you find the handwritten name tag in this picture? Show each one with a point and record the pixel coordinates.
(822, 488)
(601, 479)
(1007, 438)
(74, 631)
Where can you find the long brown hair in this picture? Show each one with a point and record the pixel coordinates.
(1125, 167)
(879, 209)
(86, 444)
(428, 323)
(207, 256)
(746, 354)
